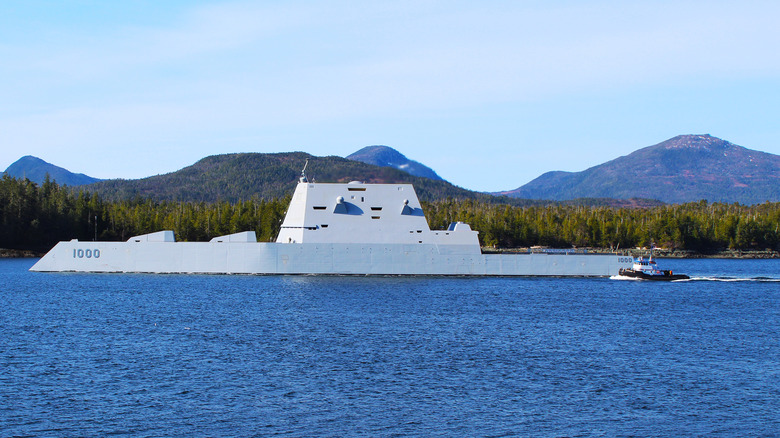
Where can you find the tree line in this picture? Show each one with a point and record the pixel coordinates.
(36, 217)
(698, 226)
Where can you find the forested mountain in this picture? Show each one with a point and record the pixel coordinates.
(35, 169)
(36, 217)
(224, 194)
(386, 156)
(235, 177)
(685, 168)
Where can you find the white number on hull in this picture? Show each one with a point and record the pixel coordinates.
(86, 253)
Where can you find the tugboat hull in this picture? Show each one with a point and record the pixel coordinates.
(663, 276)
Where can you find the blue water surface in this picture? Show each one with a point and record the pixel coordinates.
(211, 355)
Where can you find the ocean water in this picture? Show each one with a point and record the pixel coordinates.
(175, 355)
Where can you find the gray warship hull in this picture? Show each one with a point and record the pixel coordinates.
(311, 258)
(340, 229)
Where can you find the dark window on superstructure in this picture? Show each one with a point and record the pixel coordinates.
(356, 189)
(376, 208)
(374, 217)
(319, 207)
(324, 225)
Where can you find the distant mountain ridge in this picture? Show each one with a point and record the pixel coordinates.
(35, 169)
(386, 156)
(685, 168)
(235, 177)
(242, 176)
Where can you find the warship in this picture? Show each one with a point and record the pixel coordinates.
(331, 228)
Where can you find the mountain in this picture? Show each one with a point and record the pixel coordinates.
(233, 177)
(683, 169)
(386, 156)
(35, 170)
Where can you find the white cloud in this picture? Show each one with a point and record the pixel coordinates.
(440, 57)
(227, 70)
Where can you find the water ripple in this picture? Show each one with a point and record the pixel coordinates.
(144, 355)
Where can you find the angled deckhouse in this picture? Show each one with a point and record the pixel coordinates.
(366, 213)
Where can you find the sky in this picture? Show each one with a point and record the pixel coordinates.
(489, 94)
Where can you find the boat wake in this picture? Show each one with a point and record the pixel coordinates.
(706, 278)
(734, 279)
(623, 277)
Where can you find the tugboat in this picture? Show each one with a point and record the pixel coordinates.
(648, 270)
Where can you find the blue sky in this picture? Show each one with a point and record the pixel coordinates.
(488, 94)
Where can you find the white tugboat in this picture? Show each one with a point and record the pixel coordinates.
(341, 229)
(648, 270)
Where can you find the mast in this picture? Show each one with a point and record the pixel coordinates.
(303, 178)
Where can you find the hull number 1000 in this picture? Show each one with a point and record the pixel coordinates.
(86, 253)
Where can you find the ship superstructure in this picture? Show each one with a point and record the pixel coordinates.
(366, 213)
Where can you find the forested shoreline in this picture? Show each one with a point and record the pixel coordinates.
(35, 217)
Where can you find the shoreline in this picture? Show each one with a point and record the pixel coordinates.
(723, 254)
(659, 253)
(6, 253)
